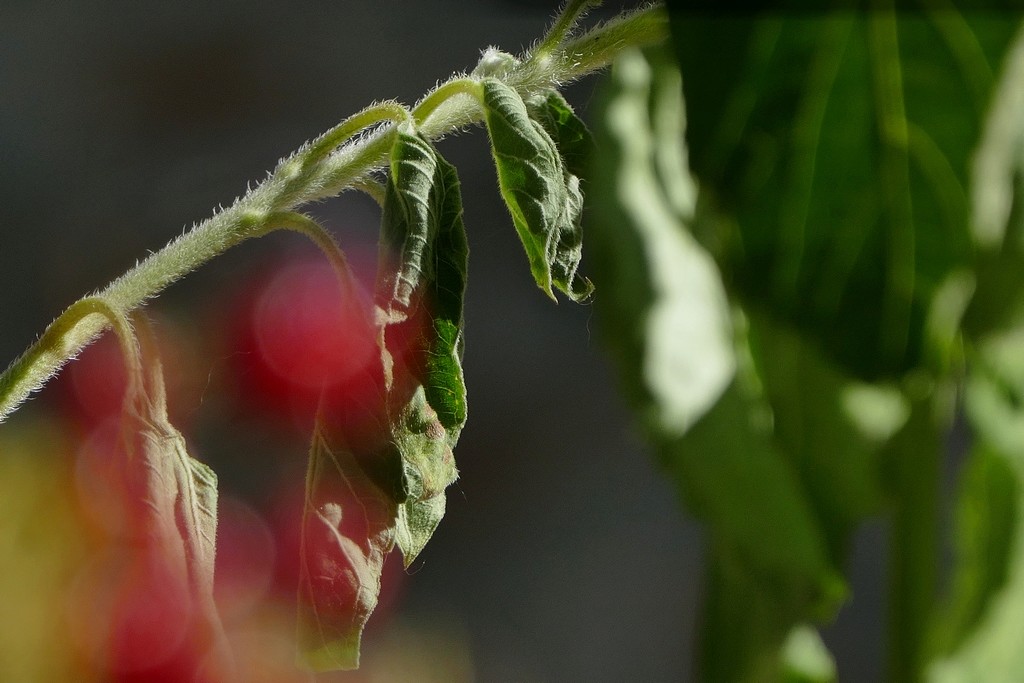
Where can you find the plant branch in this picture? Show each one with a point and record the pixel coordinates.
(335, 161)
(571, 13)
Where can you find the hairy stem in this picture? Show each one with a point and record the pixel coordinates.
(571, 13)
(338, 160)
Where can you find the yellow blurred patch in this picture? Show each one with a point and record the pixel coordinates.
(42, 544)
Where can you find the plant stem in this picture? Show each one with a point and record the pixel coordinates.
(912, 462)
(316, 171)
(567, 18)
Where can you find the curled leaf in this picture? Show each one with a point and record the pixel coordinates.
(568, 131)
(348, 527)
(366, 491)
(408, 225)
(444, 383)
(173, 503)
(545, 201)
(426, 390)
(426, 448)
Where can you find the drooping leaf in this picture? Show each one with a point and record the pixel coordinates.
(348, 528)
(544, 201)
(570, 134)
(834, 148)
(181, 492)
(417, 521)
(172, 499)
(426, 390)
(445, 386)
(426, 448)
(408, 225)
(575, 145)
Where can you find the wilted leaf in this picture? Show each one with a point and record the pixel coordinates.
(570, 134)
(408, 226)
(417, 521)
(426, 449)
(545, 201)
(173, 500)
(575, 145)
(348, 527)
(427, 393)
(181, 495)
(444, 383)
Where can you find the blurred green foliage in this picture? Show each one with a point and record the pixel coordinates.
(801, 307)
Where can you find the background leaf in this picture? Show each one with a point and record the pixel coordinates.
(836, 147)
(665, 317)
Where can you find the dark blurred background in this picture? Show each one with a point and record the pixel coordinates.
(564, 555)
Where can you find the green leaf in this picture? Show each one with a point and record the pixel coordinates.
(348, 527)
(426, 389)
(805, 658)
(979, 636)
(998, 225)
(408, 225)
(834, 148)
(665, 312)
(910, 466)
(445, 385)
(569, 133)
(666, 318)
(829, 427)
(987, 515)
(545, 201)
(734, 477)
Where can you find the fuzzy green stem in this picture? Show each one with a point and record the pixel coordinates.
(374, 188)
(445, 105)
(597, 48)
(572, 11)
(317, 171)
(59, 343)
(335, 137)
(304, 225)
